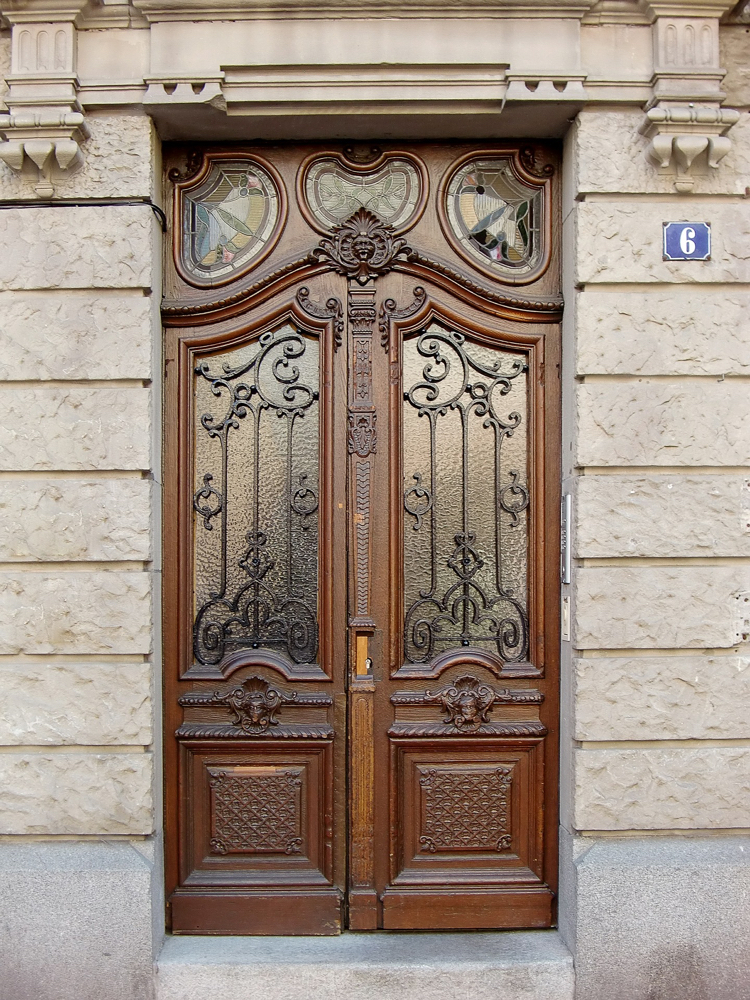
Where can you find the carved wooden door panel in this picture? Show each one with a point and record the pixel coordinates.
(362, 483)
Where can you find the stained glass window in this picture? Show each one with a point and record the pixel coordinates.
(495, 216)
(228, 219)
(334, 192)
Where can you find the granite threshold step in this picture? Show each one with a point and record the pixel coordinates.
(483, 965)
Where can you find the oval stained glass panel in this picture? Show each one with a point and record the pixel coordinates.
(495, 216)
(334, 192)
(228, 220)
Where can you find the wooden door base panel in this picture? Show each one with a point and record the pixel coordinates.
(485, 909)
(295, 912)
(364, 910)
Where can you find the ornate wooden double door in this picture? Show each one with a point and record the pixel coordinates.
(361, 539)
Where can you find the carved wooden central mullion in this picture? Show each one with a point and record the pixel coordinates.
(362, 437)
(362, 443)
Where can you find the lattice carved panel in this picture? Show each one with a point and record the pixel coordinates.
(465, 808)
(256, 810)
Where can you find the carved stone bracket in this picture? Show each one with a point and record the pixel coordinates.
(681, 134)
(43, 127)
(45, 139)
(684, 118)
(185, 92)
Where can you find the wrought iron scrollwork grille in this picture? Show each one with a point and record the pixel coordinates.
(256, 584)
(465, 498)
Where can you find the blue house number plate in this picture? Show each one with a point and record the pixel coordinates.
(687, 241)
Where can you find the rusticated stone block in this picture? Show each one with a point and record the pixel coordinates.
(650, 607)
(69, 793)
(118, 161)
(733, 57)
(698, 332)
(670, 789)
(622, 242)
(103, 247)
(74, 428)
(71, 519)
(4, 63)
(611, 157)
(88, 704)
(76, 335)
(94, 612)
(662, 698)
(657, 423)
(677, 516)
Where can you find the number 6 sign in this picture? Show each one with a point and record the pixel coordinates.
(687, 241)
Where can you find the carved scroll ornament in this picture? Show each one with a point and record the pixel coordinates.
(331, 310)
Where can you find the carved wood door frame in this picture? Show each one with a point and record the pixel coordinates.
(403, 772)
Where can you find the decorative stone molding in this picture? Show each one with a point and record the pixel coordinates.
(683, 118)
(172, 91)
(686, 59)
(43, 127)
(680, 134)
(190, 10)
(527, 87)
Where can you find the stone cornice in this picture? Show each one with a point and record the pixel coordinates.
(191, 10)
(689, 8)
(618, 12)
(37, 11)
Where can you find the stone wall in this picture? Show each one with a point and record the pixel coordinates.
(78, 577)
(656, 746)
(656, 736)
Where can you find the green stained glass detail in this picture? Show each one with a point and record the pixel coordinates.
(228, 219)
(495, 216)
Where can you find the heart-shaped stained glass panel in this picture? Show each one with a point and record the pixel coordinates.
(391, 190)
